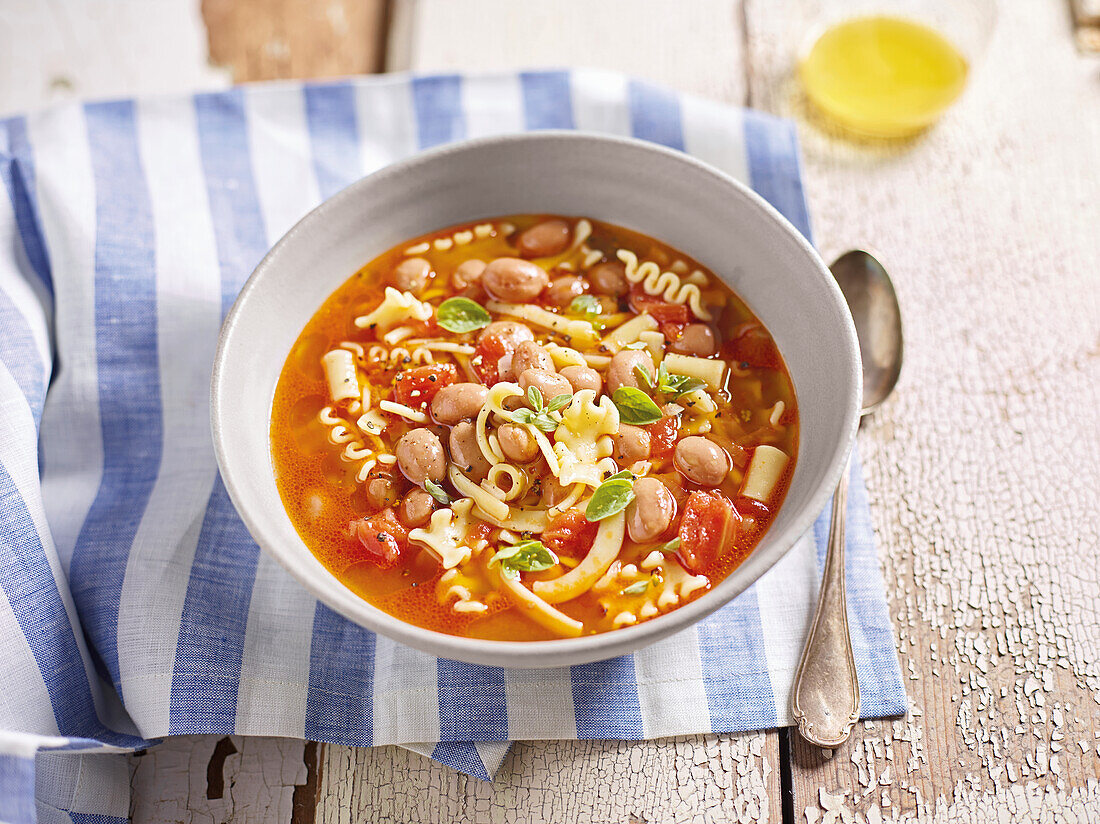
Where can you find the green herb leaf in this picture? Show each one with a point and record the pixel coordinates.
(462, 315)
(534, 398)
(526, 556)
(621, 475)
(523, 415)
(558, 402)
(681, 384)
(437, 492)
(670, 546)
(638, 344)
(610, 498)
(539, 414)
(644, 378)
(544, 422)
(635, 406)
(635, 588)
(589, 308)
(585, 305)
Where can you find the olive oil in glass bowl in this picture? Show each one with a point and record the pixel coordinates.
(884, 72)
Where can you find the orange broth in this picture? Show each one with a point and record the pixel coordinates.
(324, 496)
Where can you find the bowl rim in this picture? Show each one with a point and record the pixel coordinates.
(528, 654)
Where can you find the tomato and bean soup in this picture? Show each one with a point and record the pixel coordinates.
(533, 427)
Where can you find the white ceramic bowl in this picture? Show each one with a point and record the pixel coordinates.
(662, 193)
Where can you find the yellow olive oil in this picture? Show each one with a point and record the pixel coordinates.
(883, 76)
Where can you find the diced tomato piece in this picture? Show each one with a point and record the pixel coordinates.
(417, 387)
(489, 351)
(751, 344)
(672, 331)
(479, 532)
(429, 328)
(661, 310)
(382, 537)
(662, 436)
(570, 534)
(705, 529)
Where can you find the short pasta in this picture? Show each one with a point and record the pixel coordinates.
(533, 427)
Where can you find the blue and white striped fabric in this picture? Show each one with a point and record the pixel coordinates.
(133, 602)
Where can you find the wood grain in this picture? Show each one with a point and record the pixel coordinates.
(696, 46)
(55, 51)
(279, 39)
(712, 778)
(210, 778)
(983, 470)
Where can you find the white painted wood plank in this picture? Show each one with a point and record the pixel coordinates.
(207, 778)
(695, 46)
(56, 50)
(704, 779)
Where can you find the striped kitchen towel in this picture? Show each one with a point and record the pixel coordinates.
(133, 602)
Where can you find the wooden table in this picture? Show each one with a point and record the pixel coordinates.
(982, 470)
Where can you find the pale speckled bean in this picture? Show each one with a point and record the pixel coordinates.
(701, 461)
(651, 511)
(453, 403)
(416, 508)
(412, 274)
(514, 280)
(465, 451)
(551, 237)
(420, 456)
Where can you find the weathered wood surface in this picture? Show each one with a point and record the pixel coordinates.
(982, 472)
(279, 39)
(704, 779)
(209, 778)
(54, 51)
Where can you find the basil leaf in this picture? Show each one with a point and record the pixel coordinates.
(621, 475)
(635, 406)
(670, 546)
(462, 315)
(679, 384)
(610, 498)
(689, 385)
(534, 398)
(589, 308)
(644, 378)
(635, 589)
(558, 402)
(545, 423)
(437, 492)
(585, 305)
(526, 556)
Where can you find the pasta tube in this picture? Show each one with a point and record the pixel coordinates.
(764, 472)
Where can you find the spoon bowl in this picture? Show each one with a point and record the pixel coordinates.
(870, 295)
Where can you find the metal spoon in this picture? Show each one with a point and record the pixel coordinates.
(825, 696)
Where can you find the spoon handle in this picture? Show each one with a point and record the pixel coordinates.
(825, 696)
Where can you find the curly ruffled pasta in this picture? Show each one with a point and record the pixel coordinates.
(399, 356)
(355, 449)
(668, 285)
